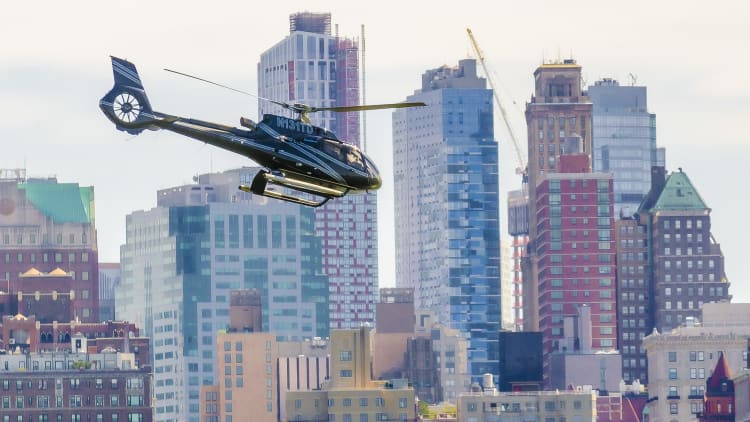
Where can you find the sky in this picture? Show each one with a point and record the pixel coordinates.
(54, 68)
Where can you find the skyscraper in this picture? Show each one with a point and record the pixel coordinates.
(51, 227)
(558, 115)
(182, 259)
(624, 140)
(576, 260)
(312, 66)
(446, 207)
(669, 266)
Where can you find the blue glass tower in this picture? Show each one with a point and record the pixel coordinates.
(624, 141)
(183, 258)
(446, 207)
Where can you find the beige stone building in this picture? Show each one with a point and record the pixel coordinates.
(246, 386)
(493, 406)
(680, 362)
(351, 395)
(742, 396)
(245, 367)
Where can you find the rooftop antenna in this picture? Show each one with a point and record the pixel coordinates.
(633, 79)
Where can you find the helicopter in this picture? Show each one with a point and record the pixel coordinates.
(292, 152)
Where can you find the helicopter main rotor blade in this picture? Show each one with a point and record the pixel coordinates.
(368, 107)
(285, 105)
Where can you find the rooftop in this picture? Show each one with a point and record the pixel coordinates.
(679, 194)
(64, 202)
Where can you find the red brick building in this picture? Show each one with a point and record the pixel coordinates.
(74, 387)
(575, 252)
(718, 402)
(49, 226)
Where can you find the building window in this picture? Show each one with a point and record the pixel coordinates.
(345, 355)
(346, 373)
(402, 402)
(672, 408)
(673, 373)
(672, 356)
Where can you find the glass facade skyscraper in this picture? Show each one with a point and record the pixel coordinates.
(446, 207)
(182, 259)
(624, 141)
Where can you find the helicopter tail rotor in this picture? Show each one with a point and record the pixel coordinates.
(126, 104)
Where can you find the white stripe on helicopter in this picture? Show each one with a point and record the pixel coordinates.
(317, 152)
(122, 70)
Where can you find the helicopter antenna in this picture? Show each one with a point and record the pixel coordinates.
(364, 97)
(285, 105)
(213, 83)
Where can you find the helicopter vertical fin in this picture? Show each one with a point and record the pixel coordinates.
(126, 104)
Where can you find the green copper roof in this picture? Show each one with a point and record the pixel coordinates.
(64, 202)
(679, 195)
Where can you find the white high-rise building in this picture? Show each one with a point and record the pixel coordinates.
(180, 262)
(313, 67)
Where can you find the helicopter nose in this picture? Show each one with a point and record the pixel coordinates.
(375, 180)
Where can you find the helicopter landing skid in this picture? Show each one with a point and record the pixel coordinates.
(261, 180)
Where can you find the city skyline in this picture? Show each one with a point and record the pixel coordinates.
(52, 76)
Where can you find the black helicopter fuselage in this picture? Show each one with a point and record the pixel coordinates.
(293, 154)
(286, 145)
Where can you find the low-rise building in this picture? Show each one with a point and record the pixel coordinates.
(351, 393)
(493, 406)
(680, 361)
(67, 386)
(742, 396)
(718, 402)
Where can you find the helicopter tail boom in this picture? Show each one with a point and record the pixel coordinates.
(126, 104)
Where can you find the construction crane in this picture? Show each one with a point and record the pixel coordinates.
(521, 169)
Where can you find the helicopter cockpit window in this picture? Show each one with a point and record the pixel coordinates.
(343, 152)
(353, 157)
(333, 149)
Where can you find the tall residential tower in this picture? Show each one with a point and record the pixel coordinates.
(446, 207)
(558, 116)
(313, 67)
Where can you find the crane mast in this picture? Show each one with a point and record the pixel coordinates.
(521, 163)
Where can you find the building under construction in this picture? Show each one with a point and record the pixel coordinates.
(318, 23)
